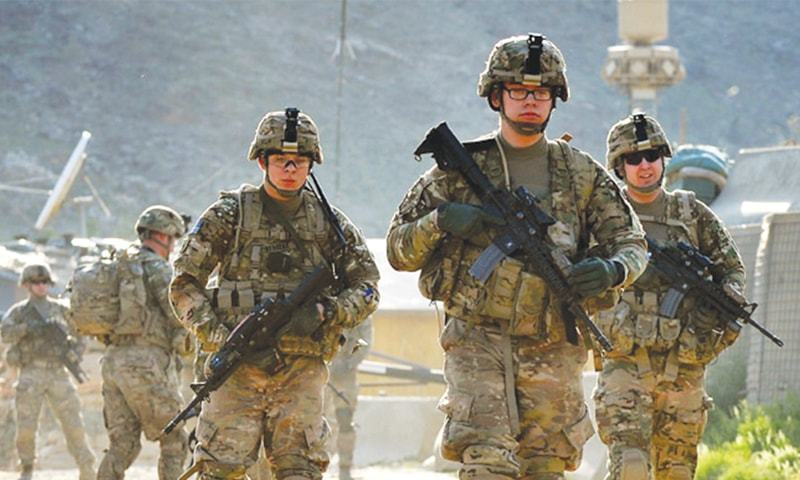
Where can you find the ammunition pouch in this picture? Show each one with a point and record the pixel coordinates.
(618, 325)
(651, 329)
(516, 296)
(438, 276)
(700, 348)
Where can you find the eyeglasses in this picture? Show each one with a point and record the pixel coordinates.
(300, 163)
(39, 282)
(518, 93)
(636, 158)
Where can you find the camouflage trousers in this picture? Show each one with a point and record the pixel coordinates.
(651, 424)
(140, 395)
(8, 429)
(547, 398)
(39, 382)
(341, 398)
(283, 410)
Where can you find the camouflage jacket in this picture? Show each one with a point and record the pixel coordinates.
(19, 325)
(637, 320)
(589, 210)
(254, 257)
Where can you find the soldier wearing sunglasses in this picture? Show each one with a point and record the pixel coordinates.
(650, 398)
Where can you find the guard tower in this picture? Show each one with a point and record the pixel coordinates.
(638, 66)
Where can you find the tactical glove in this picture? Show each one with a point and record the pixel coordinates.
(704, 318)
(464, 220)
(307, 319)
(593, 276)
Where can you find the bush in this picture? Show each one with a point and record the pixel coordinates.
(763, 447)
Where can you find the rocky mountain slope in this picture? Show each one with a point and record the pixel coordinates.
(173, 90)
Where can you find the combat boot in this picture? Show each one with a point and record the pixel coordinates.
(26, 472)
(87, 472)
(344, 473)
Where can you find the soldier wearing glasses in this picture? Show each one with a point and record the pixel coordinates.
(263, 241)
(514, 399)
(651, 404)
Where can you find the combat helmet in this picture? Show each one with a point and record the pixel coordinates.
(636, 133)
(35, 272)
(158, 218)
(527, 59)
(289, 131)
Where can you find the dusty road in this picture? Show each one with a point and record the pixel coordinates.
(149, 473)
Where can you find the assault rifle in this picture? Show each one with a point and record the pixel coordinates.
(66, 348)
(525, 231)
(257, 334)
(688, 270)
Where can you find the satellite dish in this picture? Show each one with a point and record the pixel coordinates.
(64, 183)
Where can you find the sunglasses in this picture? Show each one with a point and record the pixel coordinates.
(636, 158)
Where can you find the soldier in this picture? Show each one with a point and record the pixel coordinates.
(263, 241)
(8, 426)
(140, 379)
(651, 404)
(341, 397)
(514, 399)
(42, 374)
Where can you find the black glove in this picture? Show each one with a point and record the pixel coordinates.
(593, 276)
(464, 220)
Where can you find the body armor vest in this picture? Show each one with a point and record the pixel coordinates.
(513, 293)
(265, 261)
(637, 320)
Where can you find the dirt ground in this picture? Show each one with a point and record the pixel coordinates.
(141, 472)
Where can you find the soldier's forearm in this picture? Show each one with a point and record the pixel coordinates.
(190, 304)
(634, 258)
(353, 305)
(13, 333)
(409, 245)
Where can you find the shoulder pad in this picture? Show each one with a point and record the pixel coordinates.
(480, 144)
(245, 187)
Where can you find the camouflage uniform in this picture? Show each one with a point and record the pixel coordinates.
(255, 256)
(8, 425)
(506, 353)
(651, 403)
(43, 376)
(140, 378)
(344, 383)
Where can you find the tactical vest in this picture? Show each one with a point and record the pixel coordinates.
(512, 294)
(264, 261)
(32, 348)
(637, 322)
(141, 320)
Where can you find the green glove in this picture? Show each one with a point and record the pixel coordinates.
(704, 318)
(306, 319)
(593, 276)
(465, 220)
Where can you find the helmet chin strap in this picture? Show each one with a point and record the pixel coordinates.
(285, 193)
(526, 128)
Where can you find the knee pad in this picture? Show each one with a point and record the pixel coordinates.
(634, 465)
(221, 471)
(488, 462)
(677, 472)
(344, 418)
(287, 466)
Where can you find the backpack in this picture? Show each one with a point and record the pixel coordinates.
(94, 297)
